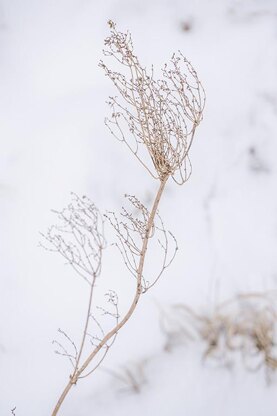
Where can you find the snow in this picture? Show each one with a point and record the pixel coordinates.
(53, 141)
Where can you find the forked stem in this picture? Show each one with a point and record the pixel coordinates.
(77, 373)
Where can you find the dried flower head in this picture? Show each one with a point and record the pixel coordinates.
(79, 237)
(156, 119)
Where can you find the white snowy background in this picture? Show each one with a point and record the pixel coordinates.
(53, 141)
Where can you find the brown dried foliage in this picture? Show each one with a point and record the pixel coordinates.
(245, 324)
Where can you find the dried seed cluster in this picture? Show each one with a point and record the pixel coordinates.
(156, 119)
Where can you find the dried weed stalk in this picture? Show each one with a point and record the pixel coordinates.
(245, 324)
(156, 119)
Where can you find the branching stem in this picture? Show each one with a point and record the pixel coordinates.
(78, 371)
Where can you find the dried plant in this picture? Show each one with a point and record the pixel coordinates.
(245, 324)
(131, 231)
(79, 237)
(131, 376)
(157, 121)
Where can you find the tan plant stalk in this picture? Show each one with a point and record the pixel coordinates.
(79, 371)
(161, 118)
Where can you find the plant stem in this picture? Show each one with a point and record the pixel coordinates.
(74, 378)
(86, 325)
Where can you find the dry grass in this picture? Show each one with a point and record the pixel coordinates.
(244, 326)
(131, 376)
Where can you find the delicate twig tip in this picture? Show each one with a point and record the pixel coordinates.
(111, 24)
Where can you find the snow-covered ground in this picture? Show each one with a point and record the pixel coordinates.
(53, 141)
